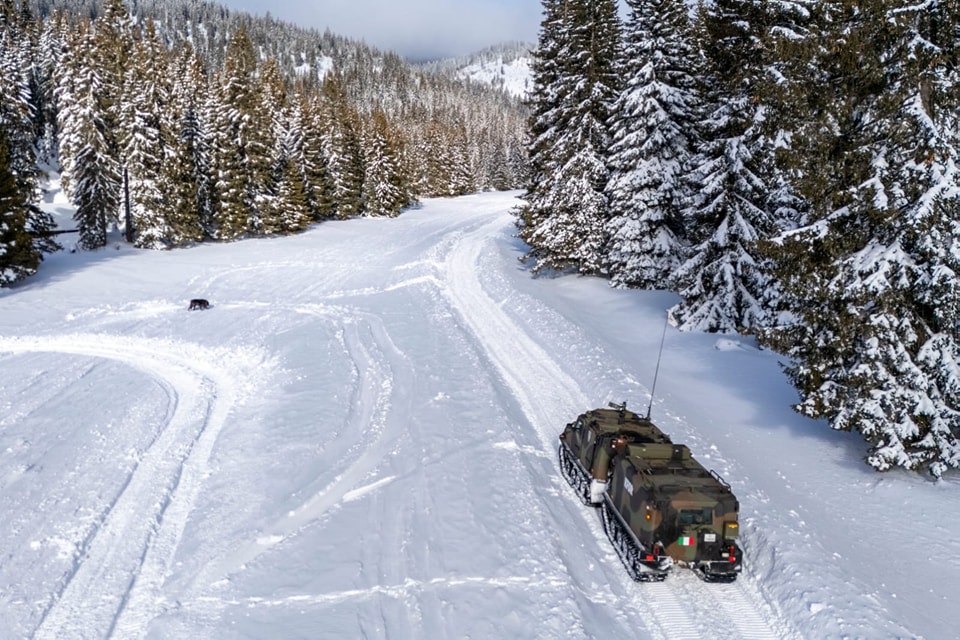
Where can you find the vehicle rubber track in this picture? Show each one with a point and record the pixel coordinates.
(626, 546)
(574, 474)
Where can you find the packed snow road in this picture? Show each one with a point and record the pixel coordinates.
(358, 439)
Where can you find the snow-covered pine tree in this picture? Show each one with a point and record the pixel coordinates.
(230, 200)
(497, 165)
(113, 38)
(186, 177)
(544, 103)
(654, 124)
(343, 149)
(434, 156)
(181, 183)
(289, 205)
(90, 171)
(483, 156)
(294, 212)
(384, 190)
(18, 256)
(446, 170)
(274, 214)
(145, 139)
(576, 82)
(46, 60)
(313, 124)
(243, 143)
(460, 171)
(872, 279)
(723, 281)
(19, 101)
(415, 124)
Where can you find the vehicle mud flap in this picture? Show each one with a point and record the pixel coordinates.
(574, 475)
(708, 575)
(718, 568)
(627, 548)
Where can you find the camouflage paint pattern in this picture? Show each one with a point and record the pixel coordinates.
(590, 437)
(662, 493)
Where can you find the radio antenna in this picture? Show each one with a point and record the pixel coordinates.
(656, 372)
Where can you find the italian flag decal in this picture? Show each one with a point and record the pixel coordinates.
(686, 541)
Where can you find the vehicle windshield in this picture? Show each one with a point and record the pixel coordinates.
(695, 516)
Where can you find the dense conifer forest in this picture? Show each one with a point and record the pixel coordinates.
(179, 122)
(789, 168)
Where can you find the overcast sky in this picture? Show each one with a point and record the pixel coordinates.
(417, 29)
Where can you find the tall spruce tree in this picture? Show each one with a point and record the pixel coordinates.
(275, 213)
(872, 280)
(18, 102)
(343, 149)
(576, 82)
(654, 128)
(145, 139)
(544, 103)
(18, 256)
(20, 99)
(187, 177)
(113, 42)
(446, 170)
(90, 170)
(384, 190)
(723, 281)
(243, 143)
(310, 151)
(460, 174)
(46, 59)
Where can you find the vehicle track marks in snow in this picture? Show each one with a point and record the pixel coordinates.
(377, 362)
(113, 588)
(741, 607)
(524, 365)
(210, 606)
(549, 397)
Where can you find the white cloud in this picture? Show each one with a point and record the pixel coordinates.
(413, 28)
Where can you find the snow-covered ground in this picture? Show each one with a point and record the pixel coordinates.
(358, 440)
(513, 76)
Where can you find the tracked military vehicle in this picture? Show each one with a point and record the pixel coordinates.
(659, 506)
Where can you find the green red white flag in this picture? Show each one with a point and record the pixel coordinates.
(686, 541)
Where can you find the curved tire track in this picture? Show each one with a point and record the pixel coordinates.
(114, 588)
(377, 363)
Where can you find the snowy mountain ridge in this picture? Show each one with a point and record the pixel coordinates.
(505, 67)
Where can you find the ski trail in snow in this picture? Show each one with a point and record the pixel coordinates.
(114, 587)
(377, 363)
(549, 398)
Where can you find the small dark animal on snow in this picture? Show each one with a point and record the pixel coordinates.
(198, 303)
